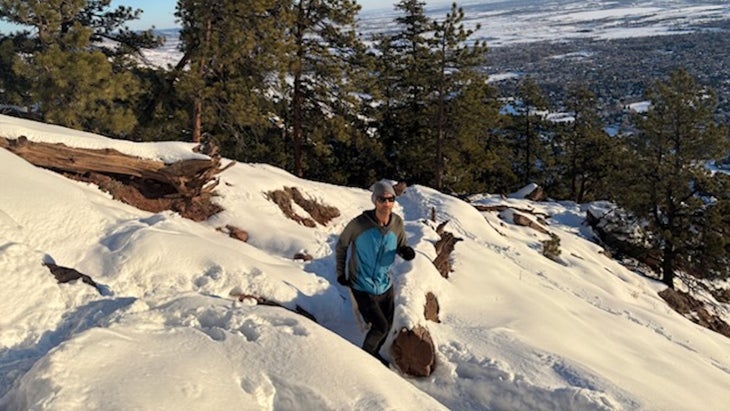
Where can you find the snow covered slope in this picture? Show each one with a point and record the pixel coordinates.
(517, 331)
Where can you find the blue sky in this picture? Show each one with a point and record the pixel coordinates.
(161, 13)
(158, 13)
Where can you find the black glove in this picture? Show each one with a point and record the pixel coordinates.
(406, 253)
(342, 280)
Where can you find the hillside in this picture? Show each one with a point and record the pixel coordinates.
(164, 329)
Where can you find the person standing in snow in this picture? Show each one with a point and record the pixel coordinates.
(365, 252)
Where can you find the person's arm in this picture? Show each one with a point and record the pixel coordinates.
(405, 251)
(343, 243)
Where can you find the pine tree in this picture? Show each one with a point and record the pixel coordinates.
(585, 153)
(111, 35)
(477, 156)
(69, 77)
(359, 158)
(231, 49)
(14, 89)
(458, 69)
(408, 70)
(708, 250)
(322, 44)
(526, 128)
(668, 184)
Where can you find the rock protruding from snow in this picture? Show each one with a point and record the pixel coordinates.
(413, 352)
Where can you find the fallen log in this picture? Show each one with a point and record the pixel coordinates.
(185, 186)
(186, 178)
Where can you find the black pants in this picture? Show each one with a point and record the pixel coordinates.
(378, 311)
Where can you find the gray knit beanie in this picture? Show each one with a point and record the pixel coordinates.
(380, 189)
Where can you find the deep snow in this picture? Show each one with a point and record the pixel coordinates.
(517, 331)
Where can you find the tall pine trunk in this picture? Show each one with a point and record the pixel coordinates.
(668, 266)
(198, 104)
(297, 99)
(441, 126)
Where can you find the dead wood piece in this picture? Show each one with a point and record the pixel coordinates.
(493, 208)
(283, 199)
(440, 227)
(538, 194)
(502, 207)
(235, 232)
(444, 247)
(65, 274)
(303, 257)
(185, 187)
(187, 178)
(521, 220)
(150, 196)
(495, 228)
(79, 160)
(265, 301)
(319, 213)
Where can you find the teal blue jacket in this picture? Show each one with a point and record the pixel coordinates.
(366, 250)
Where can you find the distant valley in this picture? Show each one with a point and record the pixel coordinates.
(615, 48)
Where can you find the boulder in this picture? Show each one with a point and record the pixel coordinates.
(431, 310)
(237, 233)
(525, 221)
(538, 194)
(414, 353)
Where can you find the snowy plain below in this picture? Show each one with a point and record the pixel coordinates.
(518, 331)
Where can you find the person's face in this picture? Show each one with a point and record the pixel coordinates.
(385, 202)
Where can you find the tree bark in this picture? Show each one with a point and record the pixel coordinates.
(668, 267)
(187, 178)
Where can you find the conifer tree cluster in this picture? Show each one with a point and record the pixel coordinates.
(293, 84)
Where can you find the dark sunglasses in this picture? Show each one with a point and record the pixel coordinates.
(382, 199)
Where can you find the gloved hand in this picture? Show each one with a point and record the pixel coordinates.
(406, 253)
(342, 280)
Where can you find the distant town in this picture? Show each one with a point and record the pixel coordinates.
(618, 71)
